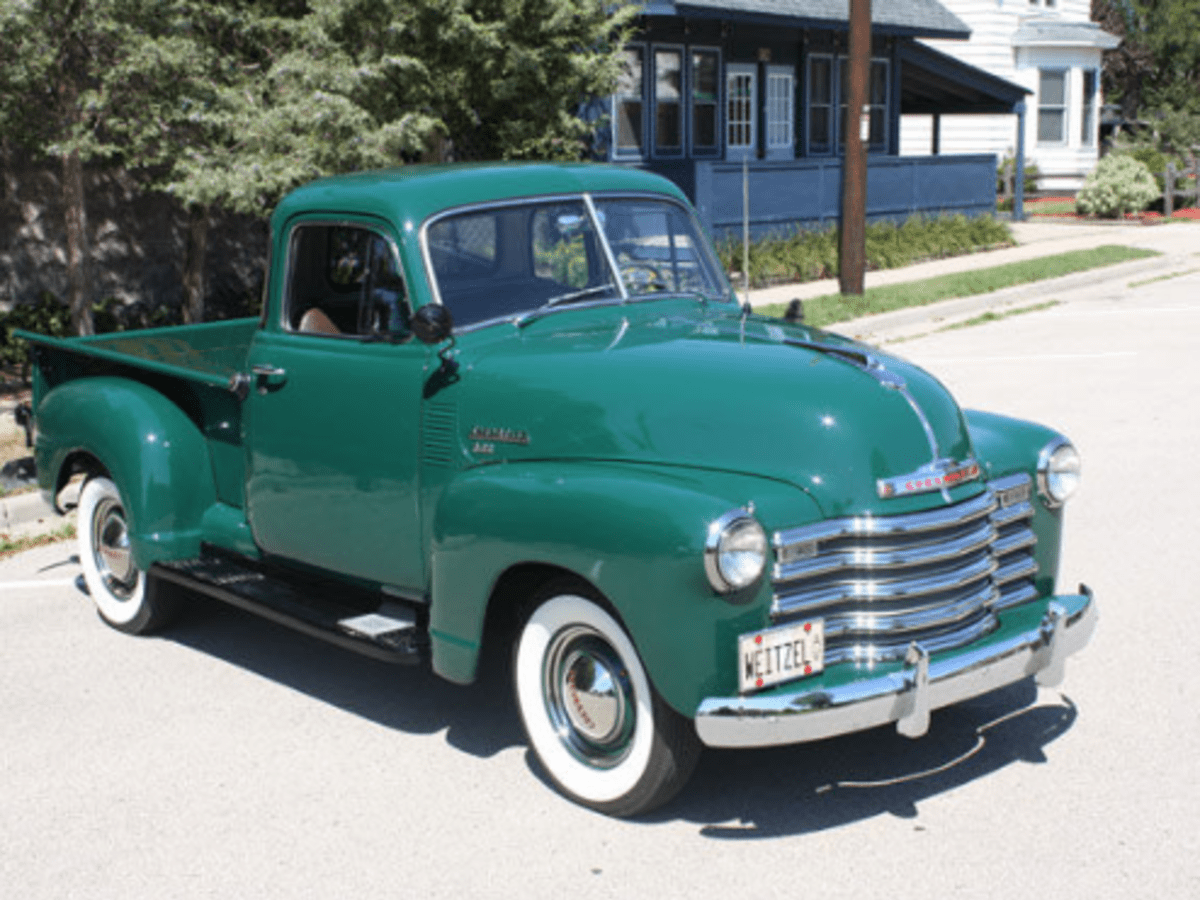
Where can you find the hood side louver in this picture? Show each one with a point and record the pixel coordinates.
(439, 427)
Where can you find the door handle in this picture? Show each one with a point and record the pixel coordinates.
(268, 376)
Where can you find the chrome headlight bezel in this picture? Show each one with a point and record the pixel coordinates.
(1058, 472)
(735, 551)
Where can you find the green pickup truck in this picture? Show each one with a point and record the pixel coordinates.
(520, 405)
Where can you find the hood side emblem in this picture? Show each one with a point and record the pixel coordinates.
(484, 439)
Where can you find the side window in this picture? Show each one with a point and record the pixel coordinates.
(706, 74)
(877, 99)
(344, 281)
(627, 103)
(1052, 106)
(820, 105)
(668, 102)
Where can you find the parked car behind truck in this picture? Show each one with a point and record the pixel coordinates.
(525, 397)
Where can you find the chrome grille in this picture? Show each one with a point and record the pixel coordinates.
(936, 577)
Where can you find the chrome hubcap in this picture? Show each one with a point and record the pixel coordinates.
(589, 696)
(110, 550)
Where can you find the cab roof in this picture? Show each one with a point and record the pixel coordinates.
(410, 194)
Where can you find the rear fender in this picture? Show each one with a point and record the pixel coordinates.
(635, 533)
(155, 454)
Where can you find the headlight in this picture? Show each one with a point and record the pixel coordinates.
(735, 552)
(1058, 472)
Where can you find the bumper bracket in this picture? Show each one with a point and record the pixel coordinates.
(905, 697)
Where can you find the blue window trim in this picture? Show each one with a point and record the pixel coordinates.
(1089, 107)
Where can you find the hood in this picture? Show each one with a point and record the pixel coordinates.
(693, 385)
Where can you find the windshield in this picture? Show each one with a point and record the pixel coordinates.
(503, 261)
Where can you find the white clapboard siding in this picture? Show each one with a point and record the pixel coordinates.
(993, 24)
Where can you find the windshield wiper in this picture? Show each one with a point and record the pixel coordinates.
(534, 314)
(578, 295)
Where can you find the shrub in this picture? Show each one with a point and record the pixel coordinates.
(1154, 160)
(50, 316)
(1007, 169)
(46, 315)
(1119, 184)
(811, 255)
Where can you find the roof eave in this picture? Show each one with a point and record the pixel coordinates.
(682, 10)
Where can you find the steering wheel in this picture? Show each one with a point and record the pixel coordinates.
(642, 277)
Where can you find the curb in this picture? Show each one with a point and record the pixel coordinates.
(24, 511)
(1036, 240)
(914, 320)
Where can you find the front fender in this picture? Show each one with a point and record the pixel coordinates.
(634, 532)
(1005, 446)
(156, 455)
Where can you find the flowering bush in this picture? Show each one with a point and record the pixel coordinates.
(1119, 184)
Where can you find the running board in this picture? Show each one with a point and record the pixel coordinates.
(357, 620)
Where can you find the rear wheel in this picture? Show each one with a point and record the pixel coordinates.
(117, 586)
(598, 728)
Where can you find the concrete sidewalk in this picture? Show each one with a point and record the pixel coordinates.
(1178, 242)
(28, 515)
(1033, 240)
(25, 513)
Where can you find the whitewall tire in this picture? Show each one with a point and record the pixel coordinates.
(117, 586)
(591, 715)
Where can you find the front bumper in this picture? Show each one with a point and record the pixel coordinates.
(905, 697)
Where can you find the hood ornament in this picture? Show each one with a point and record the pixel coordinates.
(939, 475)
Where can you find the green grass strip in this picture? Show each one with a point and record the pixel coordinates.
(993, 316)
(1166, 277)
(1051, 208)
(10, 545)
(821, 311)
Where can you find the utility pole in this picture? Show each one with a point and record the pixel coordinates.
(854, 164)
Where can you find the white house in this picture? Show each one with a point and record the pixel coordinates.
(1048, 47)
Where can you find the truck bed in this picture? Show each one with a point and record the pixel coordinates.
(211, 353)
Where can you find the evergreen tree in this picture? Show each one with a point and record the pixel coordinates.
(50, 58)
(177, 97)
(229, 104)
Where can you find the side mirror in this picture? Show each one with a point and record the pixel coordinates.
(432, 323)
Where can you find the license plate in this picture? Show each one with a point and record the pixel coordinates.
(775, 655)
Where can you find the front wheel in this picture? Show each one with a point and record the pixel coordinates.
(117, 586)
(598, 728)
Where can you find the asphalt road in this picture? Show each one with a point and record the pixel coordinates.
(232, 758)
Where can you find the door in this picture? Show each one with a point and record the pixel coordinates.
(333, 414)
(741, 111)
